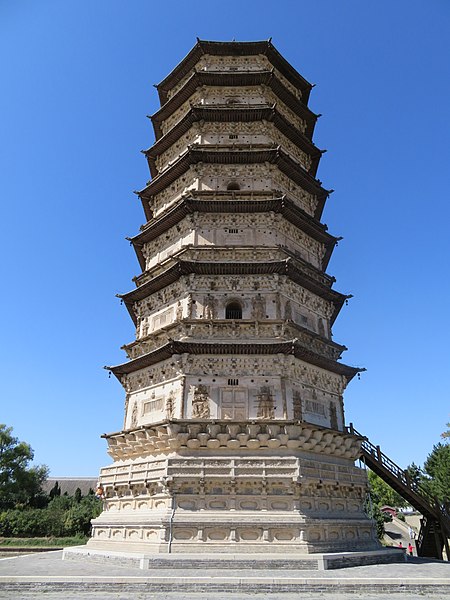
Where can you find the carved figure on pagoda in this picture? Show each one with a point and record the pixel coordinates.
(179, 311)
(170, 405)
(210, 307)
(297, 406)
(266, 406)
(200, 403)
(288, 311)
(134, 415)
(258, 307)
(333, 416)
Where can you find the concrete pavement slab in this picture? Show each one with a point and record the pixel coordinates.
(47, 576)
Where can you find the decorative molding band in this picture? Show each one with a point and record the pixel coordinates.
(253, 436)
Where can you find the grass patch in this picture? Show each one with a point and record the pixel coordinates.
(43, 542)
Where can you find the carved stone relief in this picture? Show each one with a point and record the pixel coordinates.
(258, 307)
(170, 405)
(288, 311)
(134, 416)
(210, 307)
(297, 406)
(333, 416)
(200, 403)
(266, 408)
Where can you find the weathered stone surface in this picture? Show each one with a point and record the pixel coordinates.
(234, 438)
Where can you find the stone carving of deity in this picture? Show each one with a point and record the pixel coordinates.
(333, 416)
(297, 406)
(278, 305)
(127, 400)
(170, 405)
(144, 327)
(134, 416)
(266, 409)
(189, 307)
(320, 326)
(210, 310)
(179, 311)
(200, 403)
(258, 308)
(288, 311)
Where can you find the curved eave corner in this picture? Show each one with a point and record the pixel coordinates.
(215, 48)
(255, 349)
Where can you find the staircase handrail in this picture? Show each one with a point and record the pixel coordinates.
(435, 507)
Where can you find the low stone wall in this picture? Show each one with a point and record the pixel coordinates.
(310, 562)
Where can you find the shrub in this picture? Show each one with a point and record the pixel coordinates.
(63, 517)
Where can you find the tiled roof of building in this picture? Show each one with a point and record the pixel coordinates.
(70, 484)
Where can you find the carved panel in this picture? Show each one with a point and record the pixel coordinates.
(200, 403)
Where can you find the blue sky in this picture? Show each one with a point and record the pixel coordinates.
(76, 86)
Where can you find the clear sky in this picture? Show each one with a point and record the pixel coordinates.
(76, 79)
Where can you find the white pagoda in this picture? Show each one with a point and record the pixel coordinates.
(234, 438)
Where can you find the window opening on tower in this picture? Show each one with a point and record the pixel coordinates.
(233, 310)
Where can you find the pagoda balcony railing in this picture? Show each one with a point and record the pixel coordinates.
(233, 314)
(236, 253)
(237, 330)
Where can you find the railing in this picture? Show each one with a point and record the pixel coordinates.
(400, 475)
(232, 313)
(434, 513)
(424, 526)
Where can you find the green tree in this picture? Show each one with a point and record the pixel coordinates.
(60, 503)
(446, 433)
(20, 484)
(78, 495)
(55, 491)
(78, 517)
(437, 467)
(415, 475)
(382, 494)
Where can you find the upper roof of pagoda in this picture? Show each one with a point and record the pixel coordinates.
(203, 47)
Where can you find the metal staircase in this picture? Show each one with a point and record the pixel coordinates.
(435, 525)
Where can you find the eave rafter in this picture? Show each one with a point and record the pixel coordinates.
(292, 348)
(287, 267)
(203, 47)
(191, 204)
(293, 329)
(233, 114)
(270, 155)
(234, 79)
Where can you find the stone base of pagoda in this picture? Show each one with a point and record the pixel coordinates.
(218, 565)
(198, 498)
(214, 533)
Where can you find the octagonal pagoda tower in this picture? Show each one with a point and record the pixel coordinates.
(234, 437)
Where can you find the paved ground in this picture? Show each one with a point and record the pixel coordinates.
(46, 576)
(396, 532)
(136, 595)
